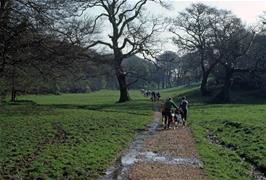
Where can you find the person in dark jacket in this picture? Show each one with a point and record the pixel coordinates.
(158, 95)
(153, 96)
(184, 107)
(168, 106)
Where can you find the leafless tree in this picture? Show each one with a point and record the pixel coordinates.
(132, 32)
(36, 18)
(232, 42)
(28, 25)
(262, 21)
(193, 33)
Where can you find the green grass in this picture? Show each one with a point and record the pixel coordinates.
(241, 129)
(74, 136)
(77, 136)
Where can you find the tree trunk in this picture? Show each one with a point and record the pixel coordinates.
(121, 77)
(224, 95)
(13, 90)
(205, 74)
(13, 95)
(227, 86)
(203, 85)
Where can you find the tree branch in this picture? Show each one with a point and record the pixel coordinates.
(97, 43)
(141, 3)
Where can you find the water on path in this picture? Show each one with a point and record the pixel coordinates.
(135, 153)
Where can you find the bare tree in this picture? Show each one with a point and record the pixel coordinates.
(28, 25)
(232, 42)
(131, 32)
(193, 33)
(35, 18)
(262, 21)
(263, 17)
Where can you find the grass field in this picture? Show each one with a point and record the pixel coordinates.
(72, 136)
(241, 130)
(77, 136)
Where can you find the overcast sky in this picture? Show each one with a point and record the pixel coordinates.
(247, 10)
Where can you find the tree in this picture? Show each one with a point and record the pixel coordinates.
(131, 33)
(191, 65)
(170, 68)
(193, 33)
(28, 25)
(232, 42)
(256, 60)
(32, 63)
(263, 17)
(138, 71)
(17, 18)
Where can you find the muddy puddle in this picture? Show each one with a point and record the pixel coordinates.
(131, 155)
(169, 160)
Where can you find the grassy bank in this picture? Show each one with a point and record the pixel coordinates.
(240, 130)
(71, 136)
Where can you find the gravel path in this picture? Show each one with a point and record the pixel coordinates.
(147, 171)
(176, 143)
(158, 154)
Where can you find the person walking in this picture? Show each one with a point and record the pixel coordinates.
(184, 107)
(168, 106)
(158, 95)
(153, 96)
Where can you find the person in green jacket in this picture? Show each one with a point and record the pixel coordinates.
(168, 106)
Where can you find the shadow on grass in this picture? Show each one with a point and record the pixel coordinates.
(24, 108)
(136, 107)
(195, 98)
(27, 107)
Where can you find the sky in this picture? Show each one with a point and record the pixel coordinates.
(247, 10)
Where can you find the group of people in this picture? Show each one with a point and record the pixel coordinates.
(154, 96)
(173, 114)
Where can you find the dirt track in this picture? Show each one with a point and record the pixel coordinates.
(159, 154)
(174, 143)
